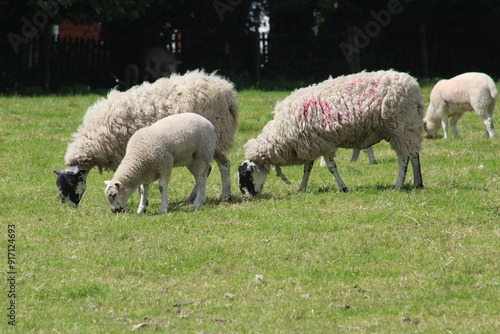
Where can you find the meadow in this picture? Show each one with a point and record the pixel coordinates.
(372, 260)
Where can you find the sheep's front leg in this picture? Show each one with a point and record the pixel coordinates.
(444, 125)
(330, 163)
(143, 190)
(163, 185)
(417, 172)
(403, 166)
(224, 168)
(305, 178)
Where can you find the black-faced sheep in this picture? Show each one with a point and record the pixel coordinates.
(179, 140)
(453, 97)
(108, 125)
(354, 111)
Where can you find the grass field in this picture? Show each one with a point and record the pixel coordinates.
(370, 260)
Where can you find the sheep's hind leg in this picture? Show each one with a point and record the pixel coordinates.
(163, 185)
(305, 178)
(371, 155)
(201, 186)
(490, 128)
(403, 166)
(143, 190)
(355, 155)
(453, 123)
(330, 163)
(417, 172)
(224, 168)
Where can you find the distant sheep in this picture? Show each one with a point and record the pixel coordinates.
(108, 125)
(453, 97)
(354, 111)
(179, 140)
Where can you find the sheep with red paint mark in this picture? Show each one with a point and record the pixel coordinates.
(354, 111)
(453, 97)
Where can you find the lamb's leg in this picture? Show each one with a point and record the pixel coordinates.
(143, 190)
(453, 123)
(444, 124)
(355, 155)
(371, 155)
(490, 128)
(305, 178)
(417, 173)
(163, 185)
(330, 163)
(201, 186)
(403, 166)
(194, 171)
(224, 168)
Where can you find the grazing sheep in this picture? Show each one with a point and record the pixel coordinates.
(354, 111)
(157, 63)
(108, 125)
(179, 140)
(453, 97)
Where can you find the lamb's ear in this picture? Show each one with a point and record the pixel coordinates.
(107, 182)
(59, 171)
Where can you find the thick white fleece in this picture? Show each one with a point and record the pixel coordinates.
(353, 111)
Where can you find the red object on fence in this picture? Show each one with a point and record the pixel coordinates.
(83, 31)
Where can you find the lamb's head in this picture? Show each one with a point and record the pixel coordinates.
(116, 195)
(251, 177)
(431, 127)
(72, 184)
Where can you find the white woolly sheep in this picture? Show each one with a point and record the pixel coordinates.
(453, 97)
(354, 111)
(179, 140)
(108, 125)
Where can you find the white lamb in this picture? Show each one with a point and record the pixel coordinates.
(108, 125)
(354, 111)
(179, 140)
(453, 97)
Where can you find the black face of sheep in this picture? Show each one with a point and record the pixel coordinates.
(251, 178)
(71, 185)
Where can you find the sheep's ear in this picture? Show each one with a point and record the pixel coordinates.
(59, 171)
(107, 182)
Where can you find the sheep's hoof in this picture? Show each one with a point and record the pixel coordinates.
(227, 199)
(344, 189)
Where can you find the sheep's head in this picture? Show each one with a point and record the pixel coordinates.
(251, 177)
(72, 184)
(116, 195)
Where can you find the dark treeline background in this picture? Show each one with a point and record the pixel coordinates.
(308, 40)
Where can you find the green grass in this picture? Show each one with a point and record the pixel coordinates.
(370, 260)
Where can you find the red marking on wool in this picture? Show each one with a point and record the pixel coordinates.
(328, 115)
